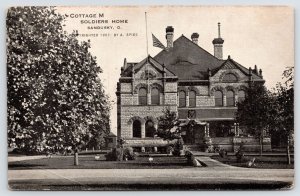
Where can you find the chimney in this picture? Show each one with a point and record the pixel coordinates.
(255, 69)
(195, 37)
(218, 44)
(260, 73)
(169, 36)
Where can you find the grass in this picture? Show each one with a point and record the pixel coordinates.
(264, 162)
(89, 162)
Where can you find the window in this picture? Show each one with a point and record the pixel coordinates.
(155, 96)
(182, 98)
(136, 129)
(218, 98)
(142, 96)
(241, 96)
(192, 98)
(230, 98)
(229, 78)
(149, 129)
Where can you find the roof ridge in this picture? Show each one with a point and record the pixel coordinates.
(199, 47)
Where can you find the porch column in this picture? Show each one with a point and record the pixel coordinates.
(237, 129)
(235, 132)
(155, 127)
(207, 129)
(148, 98)
(143, 129)
(187, 100)
(224, 100)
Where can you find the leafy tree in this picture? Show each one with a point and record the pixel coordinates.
(283, 125)
(255, 111)
(55, 95)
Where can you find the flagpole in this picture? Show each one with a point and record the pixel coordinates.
(147, 52)
(146, 32)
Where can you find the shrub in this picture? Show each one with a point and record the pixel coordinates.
(189, 157)
(120, 154)
(128, 152)
(111, 156)
(240, 156)
(170, 149)
(223, 153)
(178, 147)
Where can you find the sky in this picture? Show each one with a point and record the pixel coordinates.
(262, 36)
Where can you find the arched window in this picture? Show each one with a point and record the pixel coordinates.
(182, 99)
(155, 96)
(230, 98)
(192, 98)
(230, 77)
(241, 96)
(142, 96)
(218, 98)
(149, 129)
(136, 129)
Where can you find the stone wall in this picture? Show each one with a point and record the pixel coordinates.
(250, 144)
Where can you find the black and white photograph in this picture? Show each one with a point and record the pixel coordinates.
(147, 98)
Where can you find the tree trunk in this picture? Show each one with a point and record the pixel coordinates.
(76, 162)
(261, 145)
(288, 155)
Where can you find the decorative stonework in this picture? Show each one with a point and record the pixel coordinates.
(193, 88)
(217, 88)
(131, 120)
(140, 85)
(229, 72)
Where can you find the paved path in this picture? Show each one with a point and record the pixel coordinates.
(209, 162)
(24, 179)
(215, 176)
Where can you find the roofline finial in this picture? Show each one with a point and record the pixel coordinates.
(219, 29)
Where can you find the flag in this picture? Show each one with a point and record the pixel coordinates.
(157, 43)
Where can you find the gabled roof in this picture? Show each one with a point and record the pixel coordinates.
(230, 63)
(137, 66)
(188, 60)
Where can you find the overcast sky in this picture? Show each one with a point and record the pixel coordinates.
(253, 35)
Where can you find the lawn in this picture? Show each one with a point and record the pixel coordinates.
(89, 162)
(264, 162)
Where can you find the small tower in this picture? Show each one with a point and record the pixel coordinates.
(169, 36)
(195, 37)
(218, 44)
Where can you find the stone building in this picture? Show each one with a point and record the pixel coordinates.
(187, 79)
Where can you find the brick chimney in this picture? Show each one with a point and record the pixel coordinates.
(195, 37)
(169, 36)
(218, 44)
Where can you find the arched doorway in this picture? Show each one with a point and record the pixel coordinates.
(136, 129)
(149, 128)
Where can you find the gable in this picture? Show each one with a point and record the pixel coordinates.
(149, 65)
(188, 60)
(232, 67)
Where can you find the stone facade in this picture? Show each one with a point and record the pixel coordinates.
(192, 83)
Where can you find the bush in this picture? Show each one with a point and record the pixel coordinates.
(223, 153)
(120, 154)
(189, 157)
(240, 156)
(129, 154)
(170, 150)
(178, 147)
(111, 156)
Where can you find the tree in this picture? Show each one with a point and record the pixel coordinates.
(283, 125)
(255, 111)
(55, 95)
